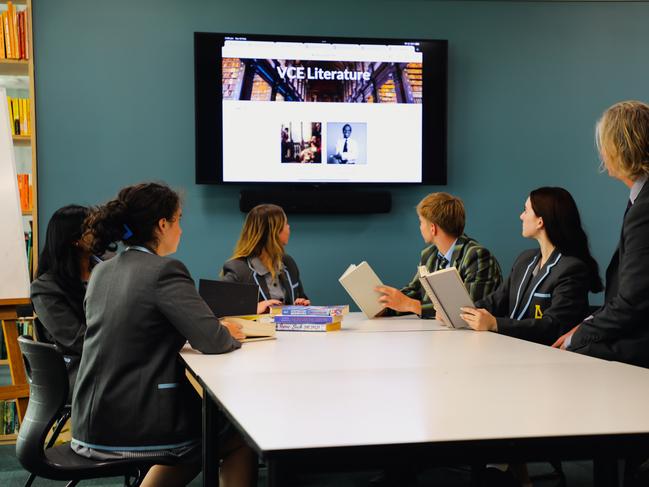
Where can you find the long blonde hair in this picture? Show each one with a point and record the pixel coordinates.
(260, 234)
(623, 133)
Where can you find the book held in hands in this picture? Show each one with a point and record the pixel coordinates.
(255, 327)
(360, 282)
(448, 294)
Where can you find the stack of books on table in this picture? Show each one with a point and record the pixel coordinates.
(308, 318)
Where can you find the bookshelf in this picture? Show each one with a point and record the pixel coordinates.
(17, 76)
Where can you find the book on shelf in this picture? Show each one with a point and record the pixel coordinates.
(448, 294)
(19, 115)
(317, 327)
(311, 319)
(255, 327)
(26, 192)
(296, 310)
(8, 418)
(360, 282)
(14, 39)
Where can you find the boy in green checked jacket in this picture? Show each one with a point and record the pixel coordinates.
(441, 222)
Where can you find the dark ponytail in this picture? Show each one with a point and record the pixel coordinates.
(61, 254)
(563, 226)
(132, 217)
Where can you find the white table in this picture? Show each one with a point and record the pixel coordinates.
(410, 387)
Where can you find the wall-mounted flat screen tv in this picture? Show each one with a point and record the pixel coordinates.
(319, 110)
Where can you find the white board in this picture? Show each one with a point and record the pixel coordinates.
(14, 275)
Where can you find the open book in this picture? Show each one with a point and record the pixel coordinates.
(255, 327)
(359, 281)
(447, 292)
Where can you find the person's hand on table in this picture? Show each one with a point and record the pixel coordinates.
(479, 319)
(561, 341)
(394, 299)
(302, 302)
(234, 329)
(262, 306)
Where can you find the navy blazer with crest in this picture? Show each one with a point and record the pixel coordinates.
(543, 307)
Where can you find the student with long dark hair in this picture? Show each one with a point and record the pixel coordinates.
(131, 396)
(546, 292)
(58, 291)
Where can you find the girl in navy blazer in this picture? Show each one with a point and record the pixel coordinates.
(546, 292)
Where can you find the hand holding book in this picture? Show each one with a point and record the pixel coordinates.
(479, 319)
(234, 329)
(394, 299)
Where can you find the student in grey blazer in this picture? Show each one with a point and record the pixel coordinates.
(131, 395)
(259, 258)
(619, 330)
(547, 289)
(57, 292)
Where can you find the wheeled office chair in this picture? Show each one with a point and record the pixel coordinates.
(48, 394)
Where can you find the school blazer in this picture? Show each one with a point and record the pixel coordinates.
(239, 270)
(619, 330)
(477, 266)
(131, 391)
(61, 313)
(543, 307)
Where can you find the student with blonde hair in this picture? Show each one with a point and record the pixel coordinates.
(259, 258)
(441, 223)
(619, 329)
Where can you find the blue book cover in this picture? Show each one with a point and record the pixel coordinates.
(307, 319)
(310, 310)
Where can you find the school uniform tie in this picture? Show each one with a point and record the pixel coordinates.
(345, 147)
(629, 204)
(442, 262)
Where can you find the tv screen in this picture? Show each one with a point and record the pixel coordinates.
(306, 110)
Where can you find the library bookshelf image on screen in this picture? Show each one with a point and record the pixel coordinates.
(321, 112)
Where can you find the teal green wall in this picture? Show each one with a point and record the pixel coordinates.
(527, 81)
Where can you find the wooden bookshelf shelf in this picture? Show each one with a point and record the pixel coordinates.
(28, 213)
(14, 67)
(8, 439)
(4, 361)
(22, 139)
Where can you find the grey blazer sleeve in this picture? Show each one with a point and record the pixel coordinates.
(59, 318)
(236, 271)
(178, 300)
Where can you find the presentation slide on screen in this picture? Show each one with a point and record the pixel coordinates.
(300, 112)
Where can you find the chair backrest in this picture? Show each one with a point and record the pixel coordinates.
(48, 393)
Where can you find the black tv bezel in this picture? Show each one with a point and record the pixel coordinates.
(209, 114)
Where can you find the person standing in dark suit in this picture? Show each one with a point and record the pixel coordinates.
(619, 330)
(131, 397)
(547, 289)
(259, 258)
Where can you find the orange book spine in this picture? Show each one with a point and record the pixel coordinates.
(5, 28)
(3, 54)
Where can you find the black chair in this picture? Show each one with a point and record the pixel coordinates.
(48, 393)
